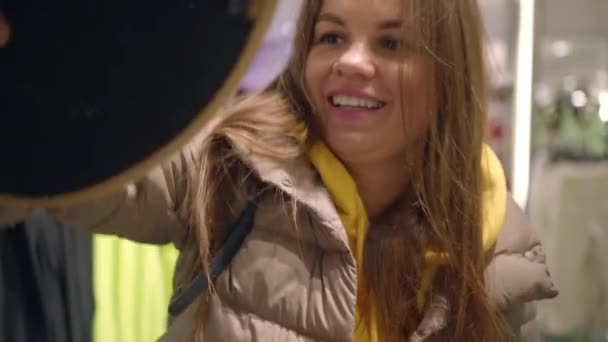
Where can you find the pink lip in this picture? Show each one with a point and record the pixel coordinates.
(347, 113)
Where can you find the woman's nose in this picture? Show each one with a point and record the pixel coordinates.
(356, 61)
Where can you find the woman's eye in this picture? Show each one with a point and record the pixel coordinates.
(331, 38)
(391, 43)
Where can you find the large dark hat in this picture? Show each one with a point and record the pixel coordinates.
(94, 93)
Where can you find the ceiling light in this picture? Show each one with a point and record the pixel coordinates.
(561, 48)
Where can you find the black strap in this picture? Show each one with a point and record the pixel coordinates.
(239, 231)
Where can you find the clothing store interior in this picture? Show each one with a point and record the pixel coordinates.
(547, 121)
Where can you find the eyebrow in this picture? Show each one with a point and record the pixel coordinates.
(332, 18)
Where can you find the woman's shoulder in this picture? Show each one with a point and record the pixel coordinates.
(518, 274)
(517, 235)
(518, 271)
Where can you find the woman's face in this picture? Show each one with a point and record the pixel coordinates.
(357, 74)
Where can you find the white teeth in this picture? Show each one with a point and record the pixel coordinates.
(349, 101)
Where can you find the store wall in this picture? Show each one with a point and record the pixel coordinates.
(571, 39)
(274, 54)
(500, 19)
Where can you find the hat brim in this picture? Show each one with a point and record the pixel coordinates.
(95, 96)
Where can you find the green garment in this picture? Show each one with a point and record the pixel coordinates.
(132, 286)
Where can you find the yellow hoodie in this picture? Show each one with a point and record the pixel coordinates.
(343, 191)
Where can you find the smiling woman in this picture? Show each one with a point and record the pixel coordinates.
(392, 95)
(369, 90)
(380, 215)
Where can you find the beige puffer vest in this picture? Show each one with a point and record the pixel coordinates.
(288, 284)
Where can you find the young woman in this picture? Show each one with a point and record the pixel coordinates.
(381, 216)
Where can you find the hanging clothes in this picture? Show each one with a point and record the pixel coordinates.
(569, 209)
(133, 286)
(45, 282)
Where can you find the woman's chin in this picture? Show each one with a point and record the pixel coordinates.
(349, 146)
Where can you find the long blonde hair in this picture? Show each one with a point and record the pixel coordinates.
(445, 211)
